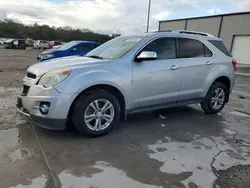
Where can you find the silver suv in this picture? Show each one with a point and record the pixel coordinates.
(126, 75)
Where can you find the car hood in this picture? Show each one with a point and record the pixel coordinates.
(50, 51)
(64, 63)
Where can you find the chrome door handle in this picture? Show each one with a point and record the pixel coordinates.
(174, 67)
(209, 63)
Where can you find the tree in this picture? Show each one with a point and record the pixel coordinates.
(11, 29)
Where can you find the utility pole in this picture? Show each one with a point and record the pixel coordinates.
(149, 7)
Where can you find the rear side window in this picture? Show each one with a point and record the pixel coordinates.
(220, 46)
(165, 48)
(190, 48)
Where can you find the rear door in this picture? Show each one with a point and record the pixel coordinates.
(196, 63)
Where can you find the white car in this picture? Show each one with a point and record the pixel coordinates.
(2, 40)
(41, 44)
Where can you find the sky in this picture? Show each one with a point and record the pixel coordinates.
(113, 16)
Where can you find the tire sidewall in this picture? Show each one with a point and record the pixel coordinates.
(81, 106)
(215, 86)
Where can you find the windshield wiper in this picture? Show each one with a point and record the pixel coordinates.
(95, 56)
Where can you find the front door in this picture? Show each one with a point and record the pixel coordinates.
(157, 82)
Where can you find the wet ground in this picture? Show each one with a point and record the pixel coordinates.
(177, 147)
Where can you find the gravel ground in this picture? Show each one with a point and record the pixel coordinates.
(13, 65)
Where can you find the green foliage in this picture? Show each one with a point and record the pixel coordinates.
(11, 29)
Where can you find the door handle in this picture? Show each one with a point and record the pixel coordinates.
(209, 63)
(174, 67)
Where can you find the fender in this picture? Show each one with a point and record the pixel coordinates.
(80, 81)
(215, 73)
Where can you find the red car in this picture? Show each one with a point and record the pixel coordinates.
(54, 43)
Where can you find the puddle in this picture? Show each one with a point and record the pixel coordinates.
(38, 182)
(185, 157)
(107, 177)
(197, 157)
(21, 162)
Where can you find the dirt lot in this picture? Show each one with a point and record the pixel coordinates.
(177, 147)
(13, 64)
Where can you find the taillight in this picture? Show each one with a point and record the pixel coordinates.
(234, 63)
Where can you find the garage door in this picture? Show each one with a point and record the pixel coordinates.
(240, 51)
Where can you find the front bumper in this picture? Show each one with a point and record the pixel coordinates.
(30, 106)
(47, 123)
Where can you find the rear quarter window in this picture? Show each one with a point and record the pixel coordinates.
(219, 45)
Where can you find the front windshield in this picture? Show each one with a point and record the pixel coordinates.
(116, 48)
(68, 45)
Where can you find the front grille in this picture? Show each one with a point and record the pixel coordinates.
(25, 90)
(30, 75)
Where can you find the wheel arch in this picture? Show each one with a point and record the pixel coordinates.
(113, 90)
(225, 80)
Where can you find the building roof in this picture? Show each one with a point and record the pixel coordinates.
(211, 16)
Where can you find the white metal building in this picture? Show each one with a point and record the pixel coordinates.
(233, 28)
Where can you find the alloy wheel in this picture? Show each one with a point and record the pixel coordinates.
(218, 98)
(99, 114)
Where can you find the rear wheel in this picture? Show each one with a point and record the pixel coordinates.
(216, 98)
(96, 113)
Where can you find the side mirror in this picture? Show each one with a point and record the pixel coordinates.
(74, 50)
(146, 55)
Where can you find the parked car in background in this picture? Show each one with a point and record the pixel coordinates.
(15, 44)
(126, 75)
(54, 43)
(41, 44)
(69, 49)
(2, 41)
(57, 46)
(29, 42)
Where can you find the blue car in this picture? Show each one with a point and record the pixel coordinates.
(68, 49)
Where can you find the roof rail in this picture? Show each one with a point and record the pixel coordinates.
(192, 32)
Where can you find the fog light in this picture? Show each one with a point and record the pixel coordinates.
(44, 107)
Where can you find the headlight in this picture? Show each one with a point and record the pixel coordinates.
(52, 78)
(47, 56)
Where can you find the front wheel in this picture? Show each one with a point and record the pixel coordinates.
(96, 113)
(216, 98)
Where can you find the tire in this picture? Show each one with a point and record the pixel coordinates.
(208, 105)
(83, 106)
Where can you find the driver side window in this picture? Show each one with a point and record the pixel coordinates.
(165, 48)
